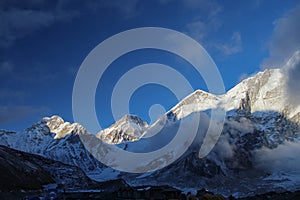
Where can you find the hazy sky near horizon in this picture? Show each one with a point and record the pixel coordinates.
(43, 43)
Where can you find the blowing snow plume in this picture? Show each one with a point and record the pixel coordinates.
(280, 161)
(285, 40)
(284, 51)
(292, 70)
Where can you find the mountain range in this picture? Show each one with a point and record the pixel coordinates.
(255, 153)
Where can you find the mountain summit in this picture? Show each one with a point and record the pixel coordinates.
(128, 128)
(57, 125)
(265, 91)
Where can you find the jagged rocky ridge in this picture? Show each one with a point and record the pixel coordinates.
(259, 116)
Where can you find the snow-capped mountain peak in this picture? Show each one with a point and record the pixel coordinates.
(265, 90)
(128, 128)
(195, 102)
(61, 128)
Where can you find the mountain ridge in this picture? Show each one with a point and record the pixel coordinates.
(258, 116)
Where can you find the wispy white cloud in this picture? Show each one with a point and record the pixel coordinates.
(247, 75)
(165, 1)
(21, 19)
(284, 159)
(10, 114)
(292, 70)
(11, 95)
(198, 29)
(207, 23)
(208, 12)
(257, 3)
(40, 71)
(6, 67)
(243, 77)
(126, 9)
(209, 8)
(285, 39)
(233, 46)
(284, 51)
(201, 28)
(13, 75)
(72, 71)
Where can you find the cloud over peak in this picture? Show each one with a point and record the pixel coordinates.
(285, 39)
(292, 70)
(233, 46)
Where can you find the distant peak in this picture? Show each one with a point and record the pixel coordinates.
(128, 116)
(128, 128)
(266, 72)
(271, 71)
(53, 122)
(61, 128)
(131, 118)
(54, 118)
(202, 92)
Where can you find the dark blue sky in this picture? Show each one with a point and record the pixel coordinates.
(43, 44)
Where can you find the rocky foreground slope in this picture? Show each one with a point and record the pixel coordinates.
(20, 170)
